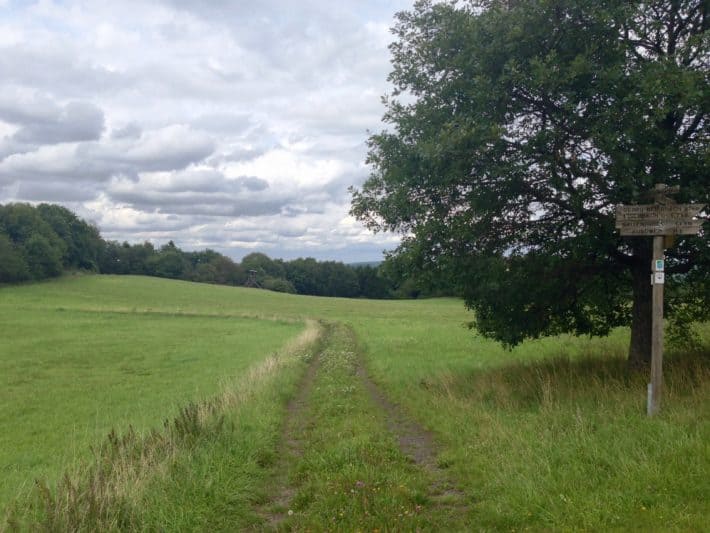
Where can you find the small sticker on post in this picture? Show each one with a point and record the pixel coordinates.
(659, 278)
(658, 265)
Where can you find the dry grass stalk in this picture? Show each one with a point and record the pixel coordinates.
(100, 495)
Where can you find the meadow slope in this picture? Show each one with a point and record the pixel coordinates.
(551, 435)
(74, 366)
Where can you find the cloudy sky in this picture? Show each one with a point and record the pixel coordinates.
(232, 125)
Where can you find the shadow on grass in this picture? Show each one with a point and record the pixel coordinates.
(560, 379)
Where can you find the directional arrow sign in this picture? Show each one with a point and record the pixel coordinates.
(649, 227)
(658, 219)
(657, 212)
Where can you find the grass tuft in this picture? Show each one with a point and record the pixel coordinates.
(107, 493)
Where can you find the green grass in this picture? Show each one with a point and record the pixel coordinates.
(69, 376)
(196, 474)
(351, 475)
(553, 435)
(549, 436)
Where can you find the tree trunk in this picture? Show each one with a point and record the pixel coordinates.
(640, 346)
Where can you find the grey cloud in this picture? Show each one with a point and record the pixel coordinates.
(337, 189)
(290, 231)
(55, 191)
(171, 148)
(77, 121)
(40, 121)
(230, 123)
(145, 225)
(205, 181)
(255, 143)
(244, 154)
(129, 131)
(57, 69)
(19, 107)
(211, 180)
(201, 193)
(9, 146)
(252, 183)
(294, 210)
(307, 205)
(235, 208)
(51, 163)
(309, 47)
(200, 203)
(209, 193)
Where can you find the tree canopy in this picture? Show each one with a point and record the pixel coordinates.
(38, 242)
(515, 128)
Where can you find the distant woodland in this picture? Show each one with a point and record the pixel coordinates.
(44, 241)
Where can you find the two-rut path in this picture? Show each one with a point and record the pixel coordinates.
(350, 459)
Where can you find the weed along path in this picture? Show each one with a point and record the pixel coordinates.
(350, 459)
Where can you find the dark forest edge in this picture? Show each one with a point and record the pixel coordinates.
(43, 241)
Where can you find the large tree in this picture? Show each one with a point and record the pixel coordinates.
(516, 127)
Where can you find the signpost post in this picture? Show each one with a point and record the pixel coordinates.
(662, 219)
(656, 385)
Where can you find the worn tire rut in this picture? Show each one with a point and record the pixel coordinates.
(414, 441)
(291, 444)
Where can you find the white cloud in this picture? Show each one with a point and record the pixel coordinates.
(232, 125)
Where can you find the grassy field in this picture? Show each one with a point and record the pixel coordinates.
(551, 435)
(71, 372)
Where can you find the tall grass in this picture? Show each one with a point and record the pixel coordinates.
(562, 442)
(559, 380)
(108, 492)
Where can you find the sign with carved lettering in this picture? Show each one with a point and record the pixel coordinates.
(658, 219)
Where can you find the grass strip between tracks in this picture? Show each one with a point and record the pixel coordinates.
(347, 471)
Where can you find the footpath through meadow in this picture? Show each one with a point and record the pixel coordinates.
(349, 459)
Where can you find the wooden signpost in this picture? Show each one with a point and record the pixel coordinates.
(662, 219)
(658, 219)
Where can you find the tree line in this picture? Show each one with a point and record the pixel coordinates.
(43, 241)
